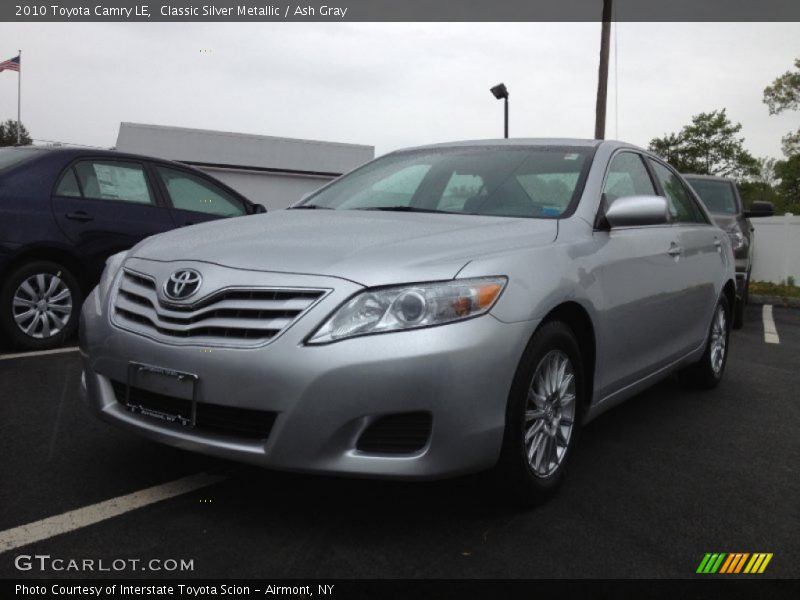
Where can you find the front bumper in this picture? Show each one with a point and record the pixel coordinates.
(326, 396)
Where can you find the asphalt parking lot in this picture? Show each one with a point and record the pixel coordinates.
(656, 483)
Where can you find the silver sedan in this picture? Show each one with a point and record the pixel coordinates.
(438, 311)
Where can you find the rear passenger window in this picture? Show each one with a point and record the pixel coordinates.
(627, 176)
(68, 186)
(112, 180)
(681, 205)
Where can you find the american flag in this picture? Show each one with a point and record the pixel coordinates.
(12, 64)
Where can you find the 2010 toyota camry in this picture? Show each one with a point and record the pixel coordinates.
(440, 310)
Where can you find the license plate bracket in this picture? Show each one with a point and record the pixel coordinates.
(162, 393)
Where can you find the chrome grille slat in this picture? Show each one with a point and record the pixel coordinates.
(226, 308)
(270, 325)
(251, 315)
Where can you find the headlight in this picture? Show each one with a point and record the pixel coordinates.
(113, 264)
(410, 307)
(738, 240)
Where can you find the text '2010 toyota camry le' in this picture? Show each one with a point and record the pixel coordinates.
(438, 311)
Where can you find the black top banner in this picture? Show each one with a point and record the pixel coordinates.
(399, 10)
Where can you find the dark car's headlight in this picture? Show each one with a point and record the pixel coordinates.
(410, 307)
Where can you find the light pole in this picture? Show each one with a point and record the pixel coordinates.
(500, 91)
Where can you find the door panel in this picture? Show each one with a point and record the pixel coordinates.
(105, 207)
(700, 264)
(699, 259)
(642, 286)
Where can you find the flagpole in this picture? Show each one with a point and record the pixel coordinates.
(19, 101)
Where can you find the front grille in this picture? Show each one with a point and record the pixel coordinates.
(230, 420)
(238, 316)
(402, 433)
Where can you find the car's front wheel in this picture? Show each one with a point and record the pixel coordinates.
(39, 304)
(543, 414)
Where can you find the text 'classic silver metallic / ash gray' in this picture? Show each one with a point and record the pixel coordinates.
(438, 311)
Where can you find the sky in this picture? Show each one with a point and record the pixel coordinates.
(393, 85)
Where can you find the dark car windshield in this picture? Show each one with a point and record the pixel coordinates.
(10, 157)
(538, 182)
(717, 195)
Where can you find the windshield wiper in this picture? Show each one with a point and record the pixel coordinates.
(405, 209)
(310, 207)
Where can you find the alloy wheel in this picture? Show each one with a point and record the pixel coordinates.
(719, 339)
(549, 413)
(42, 305)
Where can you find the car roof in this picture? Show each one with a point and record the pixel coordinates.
(70, 151)
(533, 142)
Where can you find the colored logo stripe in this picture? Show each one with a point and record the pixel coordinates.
(734, 562)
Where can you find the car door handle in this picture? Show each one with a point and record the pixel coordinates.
(718, 244)
(79, 215)
(675, 250)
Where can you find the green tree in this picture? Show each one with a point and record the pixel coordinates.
(762, 186)
(8, 134)
(789, 188)
(708, 146)
(783, 95)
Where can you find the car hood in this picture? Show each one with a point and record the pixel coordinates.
(367, 247)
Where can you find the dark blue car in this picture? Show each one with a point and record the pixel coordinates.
(64, 211)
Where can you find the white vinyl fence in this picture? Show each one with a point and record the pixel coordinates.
(777, 249)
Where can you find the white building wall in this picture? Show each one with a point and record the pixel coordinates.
(777, 249)
(272, 171)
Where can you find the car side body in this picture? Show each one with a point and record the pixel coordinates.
(46, 217)
(638, 300)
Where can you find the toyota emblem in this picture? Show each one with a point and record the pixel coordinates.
(182, 284)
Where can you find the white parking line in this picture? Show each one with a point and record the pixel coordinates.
(89, 515)
(770, 332)
(38, 353)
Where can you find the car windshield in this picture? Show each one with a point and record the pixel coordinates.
(535, 182)
(14, 156)
(718, 196)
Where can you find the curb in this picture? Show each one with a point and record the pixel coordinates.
(775, 300)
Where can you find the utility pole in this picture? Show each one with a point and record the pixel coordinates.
(602, 82)
(19, 101)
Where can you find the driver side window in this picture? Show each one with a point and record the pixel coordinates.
(627, 176)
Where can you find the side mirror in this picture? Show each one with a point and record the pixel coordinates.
(259, 209)
(760, 209)
(637, 211)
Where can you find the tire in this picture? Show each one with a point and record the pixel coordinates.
(741, 304)
(548, 439)
(708, 371)
(52, 296)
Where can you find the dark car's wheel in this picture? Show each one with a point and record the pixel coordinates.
(707, 372)
(543, 414)
(741, 304)
(39, 304)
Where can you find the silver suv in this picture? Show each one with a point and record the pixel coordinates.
(438, 311)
